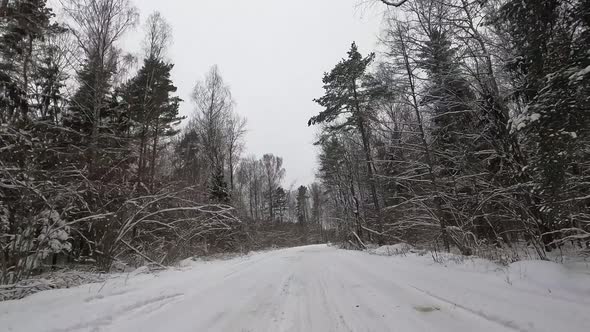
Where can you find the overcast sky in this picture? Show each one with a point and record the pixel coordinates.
(272, 53)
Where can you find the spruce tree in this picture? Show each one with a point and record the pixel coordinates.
(550, 42)
(99, 123)
(454, 129)
(22, 25)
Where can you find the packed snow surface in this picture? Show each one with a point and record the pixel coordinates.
(318, 288)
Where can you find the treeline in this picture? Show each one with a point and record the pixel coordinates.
(469, 128)
(95, 166)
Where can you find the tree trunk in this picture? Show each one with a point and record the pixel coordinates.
(231, 171)
(24, 106)
(250, 198)
(256, 201)
(370, 165)
(141, 161)
(154, 156)
(270, 205)
(96, 114)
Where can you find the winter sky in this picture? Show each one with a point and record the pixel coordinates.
(272, 54)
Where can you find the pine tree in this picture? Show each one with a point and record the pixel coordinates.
(346, 95)
(153, 112)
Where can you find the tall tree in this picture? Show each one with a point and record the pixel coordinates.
(213, 111)
(153, 110)
(346, 94)
(152, 107)
(548, 41)
(302, 205)
(97, 26)
(273, 174)
(317, 201)
(280, 203)
(236, 130)
(23, 24)
(158, 37)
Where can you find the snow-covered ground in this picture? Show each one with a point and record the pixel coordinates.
(318, 288)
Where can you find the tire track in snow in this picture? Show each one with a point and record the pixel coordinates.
(151, 305)
(490, 318)
(387, 291)
(99, 296)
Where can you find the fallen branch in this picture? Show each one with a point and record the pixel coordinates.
(359, 239)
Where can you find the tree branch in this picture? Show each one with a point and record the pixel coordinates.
(394, 3)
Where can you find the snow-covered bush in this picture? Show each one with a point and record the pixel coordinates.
(47, 233)
(54, 234)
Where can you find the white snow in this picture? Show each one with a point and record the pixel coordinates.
(318, 288)
(395, 249)
(549, 276)
(534, 117)
(522, 121)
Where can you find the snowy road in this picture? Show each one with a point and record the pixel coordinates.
(316, 288)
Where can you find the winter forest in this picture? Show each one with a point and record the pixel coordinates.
(465, 130)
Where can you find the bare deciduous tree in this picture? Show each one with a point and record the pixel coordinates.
(273, 173)
(158, 36)
(236, 130)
